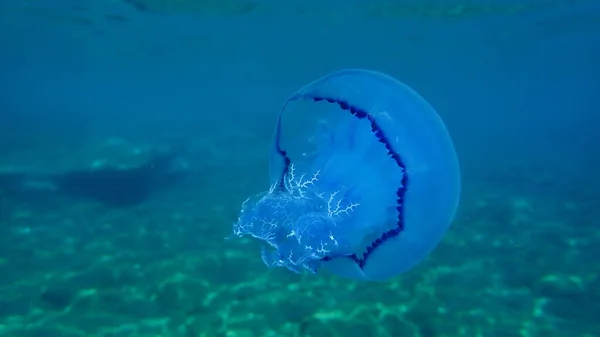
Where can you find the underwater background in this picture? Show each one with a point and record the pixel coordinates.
(181, 96)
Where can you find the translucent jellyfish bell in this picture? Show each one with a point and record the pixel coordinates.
(364, 179)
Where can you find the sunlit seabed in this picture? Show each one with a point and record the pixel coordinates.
(511, 265)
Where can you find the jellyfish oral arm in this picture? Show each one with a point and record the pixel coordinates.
(301, 224)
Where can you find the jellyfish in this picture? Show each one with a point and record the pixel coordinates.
(364, 177)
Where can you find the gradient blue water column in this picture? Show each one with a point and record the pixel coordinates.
(364, 177)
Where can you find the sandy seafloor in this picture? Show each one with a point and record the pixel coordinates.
(521, 258)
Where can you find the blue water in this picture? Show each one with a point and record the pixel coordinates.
(83, 82)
